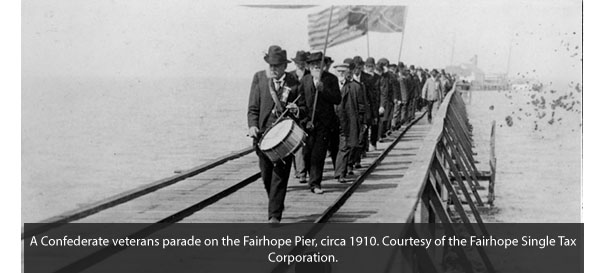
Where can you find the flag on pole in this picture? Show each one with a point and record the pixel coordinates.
(351, 22)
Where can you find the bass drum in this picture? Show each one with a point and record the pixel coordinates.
(282, 140)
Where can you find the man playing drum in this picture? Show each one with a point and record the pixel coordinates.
(272, 92)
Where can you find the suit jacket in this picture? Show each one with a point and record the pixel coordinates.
(352, 112)
(386, 85)
(372, 94)
(261, 104)
(416, 85)
(432, 90)
(396, 86)
(329, 95)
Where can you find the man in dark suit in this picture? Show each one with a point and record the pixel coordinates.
(415, 86)
(352, 113)
(367, 83)
(388, 85)
(370, 81)
(301, 70)
(272, 92)
(321, 119)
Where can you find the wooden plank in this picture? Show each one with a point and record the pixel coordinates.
(132, 194)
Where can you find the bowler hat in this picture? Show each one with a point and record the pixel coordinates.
(401, 65)
(348, 60)
(301, 56)
(383, 61)
(370, 61)
(328, 60)
(276, 55)
(314, 57)
(357, 60)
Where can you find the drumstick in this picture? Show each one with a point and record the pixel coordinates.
(283, 114)
(286, 110)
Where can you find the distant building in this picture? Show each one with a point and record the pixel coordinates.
(468, 72)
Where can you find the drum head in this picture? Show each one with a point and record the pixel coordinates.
(276, 134)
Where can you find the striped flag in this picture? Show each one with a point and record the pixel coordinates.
(351, 22)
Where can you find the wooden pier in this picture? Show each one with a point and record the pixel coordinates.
(423, 173)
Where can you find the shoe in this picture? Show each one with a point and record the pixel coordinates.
(358, 166)
(317, 190)
(342, 180)
(274, 220)
(303, 180)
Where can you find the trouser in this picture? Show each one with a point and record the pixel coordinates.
(365, 140)
(429, 110)
(344, 159)
(396, 122)
(275, 178)
(363, 146)
(333, 145)
(405, 111)
(373, 138)
(384, 124)
(314, 155)
(299, 166)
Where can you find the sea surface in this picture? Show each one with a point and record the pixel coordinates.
(85, 139)
(538, 150)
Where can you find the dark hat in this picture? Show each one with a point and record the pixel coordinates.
(301, 56)
(357, 60)
(412, 67)
(401, 65)
(348, 60)
(370, 61)
(328, 60)
(314, 57)
(383, 61)
(434, 71)
(392, 65)
(276, 55)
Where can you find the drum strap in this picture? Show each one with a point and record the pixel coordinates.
(275, 98)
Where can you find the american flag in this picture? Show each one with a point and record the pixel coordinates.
(351, 22)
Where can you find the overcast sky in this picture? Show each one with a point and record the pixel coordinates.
(154, 38)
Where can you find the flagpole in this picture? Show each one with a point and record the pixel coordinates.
(331, 12)
(402, 35)
(367, 34)
(314, 106)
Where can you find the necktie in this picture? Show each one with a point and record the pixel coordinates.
(278, 84)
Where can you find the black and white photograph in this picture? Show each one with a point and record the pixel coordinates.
(278, 113)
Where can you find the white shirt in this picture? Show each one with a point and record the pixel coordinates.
(357, 78)
(279, 83)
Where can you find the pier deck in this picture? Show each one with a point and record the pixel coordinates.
(249, 204)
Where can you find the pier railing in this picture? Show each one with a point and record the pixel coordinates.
(448, 187)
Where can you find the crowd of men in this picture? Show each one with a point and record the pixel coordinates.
(345, 115)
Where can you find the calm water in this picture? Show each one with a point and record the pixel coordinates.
(538, 150)
(86, 139)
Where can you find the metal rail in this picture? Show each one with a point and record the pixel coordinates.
(105, 253)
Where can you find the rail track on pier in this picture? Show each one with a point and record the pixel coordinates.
(223, 191)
